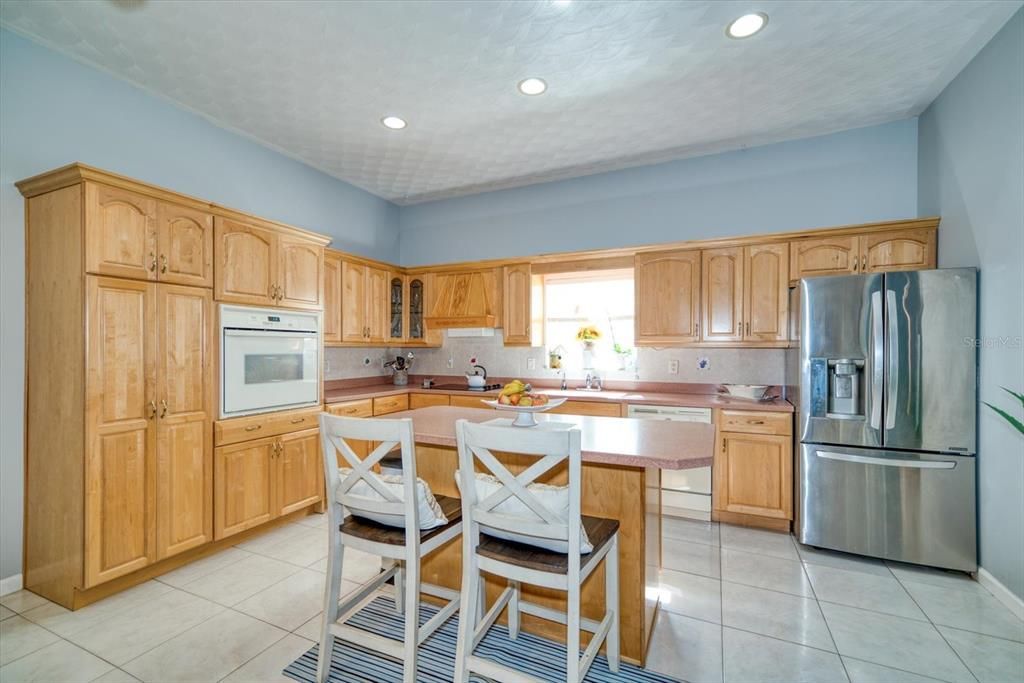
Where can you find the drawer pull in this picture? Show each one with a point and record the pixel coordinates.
(253, 428)
(298, 420)
(755, 422)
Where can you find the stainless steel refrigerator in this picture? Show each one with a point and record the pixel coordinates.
(887, 406)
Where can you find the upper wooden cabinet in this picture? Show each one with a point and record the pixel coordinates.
(260, 266)
(377, 288)
(884, 250)
(184, 245)
(766, 292)
(722, 294)
(120, 233)
(332, 297)
(667, 287)
(898, 250)
(466, 299)
(363, 303)
(518, 298)
(398, 308)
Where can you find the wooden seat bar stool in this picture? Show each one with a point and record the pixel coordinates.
(405, 546)
(524, 562)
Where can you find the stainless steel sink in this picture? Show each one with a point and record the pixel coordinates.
(590, 389)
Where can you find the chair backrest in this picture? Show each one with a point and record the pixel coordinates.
(551, 447)
(336, 433)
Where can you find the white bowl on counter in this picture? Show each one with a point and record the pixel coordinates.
(748, 392)
(524, 414)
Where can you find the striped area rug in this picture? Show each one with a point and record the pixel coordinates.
(531, 654)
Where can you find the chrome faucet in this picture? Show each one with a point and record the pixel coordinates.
(590, 380)
(565, 385)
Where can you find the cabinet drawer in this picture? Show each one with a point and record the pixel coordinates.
(241, 429)
(592, 408)
(425, 400)
(363, 408)
(390, 404)
(751, 422)
(471, 401)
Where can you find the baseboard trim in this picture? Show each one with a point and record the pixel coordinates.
(1001, 592)
(12, 584)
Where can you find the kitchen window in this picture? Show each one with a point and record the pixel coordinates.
(599, 299)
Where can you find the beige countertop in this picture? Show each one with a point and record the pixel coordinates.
(610, 440)
(688, 400)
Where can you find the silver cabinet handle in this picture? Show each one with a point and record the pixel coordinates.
(877, 358)
(894, 361)
(888, 462)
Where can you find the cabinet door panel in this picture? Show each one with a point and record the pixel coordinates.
(301, 276)
(184, 432)
(185, 245)
(898, 250)
(668, 297)
(766, 301)
(755, 475)
(246, 263)
(244, 494)
(300, 471)
(517, 299)
(353, 302)
(332, 298)
(120, 233)
(120, 437)
(823, 256)
(722, 294)
(397, 303)
(376, 305)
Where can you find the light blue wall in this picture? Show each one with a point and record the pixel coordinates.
(971, 150)
(856, 176)
(53, 111)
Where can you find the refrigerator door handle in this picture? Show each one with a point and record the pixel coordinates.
(889, 462)
(893, 351)
(878, 358)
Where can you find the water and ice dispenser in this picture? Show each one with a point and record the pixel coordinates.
(837, 387)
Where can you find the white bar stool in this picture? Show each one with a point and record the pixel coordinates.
(385, 519)
(532, 534)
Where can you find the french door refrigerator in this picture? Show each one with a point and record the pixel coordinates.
(887, 405)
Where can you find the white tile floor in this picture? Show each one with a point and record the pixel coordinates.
(737, 605)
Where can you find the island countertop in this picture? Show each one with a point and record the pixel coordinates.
(629, 442)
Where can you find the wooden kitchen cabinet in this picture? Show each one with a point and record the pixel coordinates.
(471, 298)
(364, 303)
(427, 400)
(120, 233)
(184, 245)
(332, 297)
(722, 294)
(518, 296)
(898, 250)
(300, 471)
(397, 305)
(753, 469)
(592, 408)
(823, 256)
(667, 289)
(244, 473)
(766, 292)
(261, 266)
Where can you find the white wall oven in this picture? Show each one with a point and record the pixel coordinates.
(270, 360)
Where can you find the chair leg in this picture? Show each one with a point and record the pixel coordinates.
(399, 589)
(611, 603)
(332, 587)
(469, 613)
(513, 611)
(572, 635)
(412, 616)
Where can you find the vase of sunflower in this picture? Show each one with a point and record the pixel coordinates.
(588, 335)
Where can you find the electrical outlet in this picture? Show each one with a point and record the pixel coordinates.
(531, 363)
(673, 367)
(451, 362)
(327, 365)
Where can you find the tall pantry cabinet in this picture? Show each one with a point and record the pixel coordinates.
(119, 380)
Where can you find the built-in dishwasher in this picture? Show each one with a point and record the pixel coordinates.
(684, 493)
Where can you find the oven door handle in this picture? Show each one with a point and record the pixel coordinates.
(303, 334)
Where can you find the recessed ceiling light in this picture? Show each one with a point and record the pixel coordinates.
(747, 25)
(532, 86)
(393, 122)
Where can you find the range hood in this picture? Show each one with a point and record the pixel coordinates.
(465, 300)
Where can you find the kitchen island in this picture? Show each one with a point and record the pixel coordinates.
(622, 462)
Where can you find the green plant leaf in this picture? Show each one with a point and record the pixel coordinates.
(1019, 397)
(1017, 424)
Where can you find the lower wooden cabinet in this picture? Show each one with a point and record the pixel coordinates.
(592, 408)
(753, 469)
(427, 400)
(262, 479)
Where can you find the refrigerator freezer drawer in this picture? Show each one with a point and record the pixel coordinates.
(909, 507)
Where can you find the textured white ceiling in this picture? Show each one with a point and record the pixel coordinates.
(629, 82)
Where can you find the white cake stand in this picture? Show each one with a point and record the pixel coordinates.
(525, 415)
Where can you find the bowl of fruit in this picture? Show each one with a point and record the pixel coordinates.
(521, 398)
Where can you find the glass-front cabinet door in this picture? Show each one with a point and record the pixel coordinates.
(416, 329)
(396, 309)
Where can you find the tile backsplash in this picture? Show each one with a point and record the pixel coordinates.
(745, 366)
